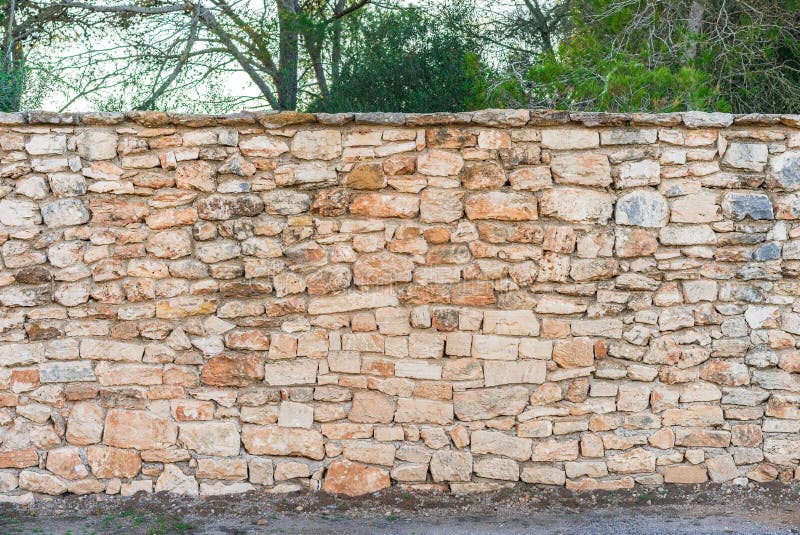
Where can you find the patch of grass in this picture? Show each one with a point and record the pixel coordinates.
(168, 525)
(134, 516)
(8, 522)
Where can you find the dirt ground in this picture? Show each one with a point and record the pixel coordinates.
(773, 508)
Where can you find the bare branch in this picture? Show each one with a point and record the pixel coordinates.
(180, 65)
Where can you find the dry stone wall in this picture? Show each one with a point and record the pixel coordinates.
(201, 304)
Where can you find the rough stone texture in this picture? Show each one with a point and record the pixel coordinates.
(288, 301)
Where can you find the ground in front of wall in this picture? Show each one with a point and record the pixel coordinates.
(773, 508)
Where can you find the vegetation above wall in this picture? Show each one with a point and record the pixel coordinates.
(436, 55)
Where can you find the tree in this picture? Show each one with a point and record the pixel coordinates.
(665, 55)
(22, 22)
(283, 46)
(409, 59)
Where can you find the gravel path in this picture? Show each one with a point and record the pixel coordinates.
(703, 509)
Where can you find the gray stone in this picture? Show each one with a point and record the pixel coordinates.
(25, 296)
(307, 174)
(20, 254)
(638, 173)
(64, 213)
(66, 372)
(19, 213)
(21, 354)
(221, 207)
(643, 208)
(687, 235)
(776, 380)
(497, 117)
(218, 251)
(385, 118)
(238, 165)
(768, 251)
(451, 466)
(285, 202)
(67, 184)
(784, 170)
(791, 250)
(97, 144)
(737, 206)
(700, 119)
(46, 144)
(750, 156)
(782, 451)
(34, 187)
(628, 136)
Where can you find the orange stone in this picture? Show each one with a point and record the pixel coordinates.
(19, 458)
(24, 380)
(385, 205)
(371, 407)
(501, 206)
(399, 164)
(421, 294)
(117, 213)
(473, 294)
(138, 429)
(365, 176)
(354, 479)
(108, 462)
(685, 474)
(172, 217)
(233, 370)
(790, 362)
(66, 462)
(574, 353)
(437, 235)
(726, 373)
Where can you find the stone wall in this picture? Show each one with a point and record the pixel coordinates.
(210, 305)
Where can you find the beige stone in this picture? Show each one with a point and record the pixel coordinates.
(173, 480)
(497, 443)
(317, 144)
(685, 474)
(210, 438)
(581, 169)
(270, 440)
(544, 475)
(85, 424)
(451, 466)
(439, 163)
(481, 404)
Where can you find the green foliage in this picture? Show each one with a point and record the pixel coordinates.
(12, 85)
(409, 60)
(583, 79)
(644, 56)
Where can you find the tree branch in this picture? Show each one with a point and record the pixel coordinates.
(207, 17)
(148, 104)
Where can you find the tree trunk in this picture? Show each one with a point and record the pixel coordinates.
(336, 46)
(288, 53)
(694, 26)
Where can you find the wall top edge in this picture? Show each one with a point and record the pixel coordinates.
(505, 118)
